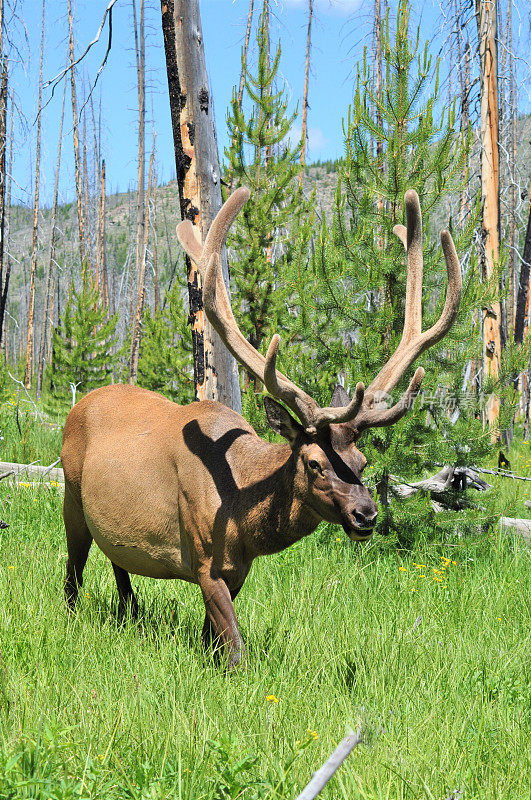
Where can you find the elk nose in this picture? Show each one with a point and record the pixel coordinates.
(365, 520)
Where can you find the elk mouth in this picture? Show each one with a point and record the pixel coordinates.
(356, 533)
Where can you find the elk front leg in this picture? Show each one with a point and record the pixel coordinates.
(220, 620)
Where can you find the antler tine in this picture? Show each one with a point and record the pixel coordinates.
(373, 418)
(415, 267)
(218, 230)
(289, 394)
(413, 341)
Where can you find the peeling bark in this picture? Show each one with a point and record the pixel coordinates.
(198, 178)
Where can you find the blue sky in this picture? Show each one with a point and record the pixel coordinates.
(341, 29)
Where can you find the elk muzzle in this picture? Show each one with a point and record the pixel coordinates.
(359, 521)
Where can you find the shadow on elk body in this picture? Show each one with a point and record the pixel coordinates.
(192, 492)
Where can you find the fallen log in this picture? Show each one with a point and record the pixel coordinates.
(519, 526)
(18, 472)
(444, 487)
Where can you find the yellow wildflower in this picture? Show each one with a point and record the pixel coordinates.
(11, 567)
(402, 569)
(271, 698)
(413, 590)
(338, 539)
(313, 734)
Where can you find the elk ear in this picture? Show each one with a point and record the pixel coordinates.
(281, 421)
(340, 398)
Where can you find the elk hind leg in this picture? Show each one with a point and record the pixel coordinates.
(78, 541)
(126, 596)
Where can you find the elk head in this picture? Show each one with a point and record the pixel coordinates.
(324, 439)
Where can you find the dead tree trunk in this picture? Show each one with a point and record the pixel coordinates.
(304, 132)
(242, 78)
(155, 248)
(140, 48)
(490, 191)
(198, 177)
(137, 323)
(31, 303)
(48, 295)
(75, 131)
(522, 302)
(3, 185)
(102, 246)
(6, 222)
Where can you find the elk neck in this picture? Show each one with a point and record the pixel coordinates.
(278, 515)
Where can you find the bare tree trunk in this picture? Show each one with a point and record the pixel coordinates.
(137, 323)
(75, 127)
(513, 227)
(304, 132)
(156, 301)
(102, 244)
(140, 195)
(198, 177)
(490, 177)
(465, 122)
(378, 92)
(242, 77)
(48, 298)
(6, 214)
(522, 303)
(267, 44)
(3, 176)
(31, 304)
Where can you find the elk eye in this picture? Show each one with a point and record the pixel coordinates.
(315, 466)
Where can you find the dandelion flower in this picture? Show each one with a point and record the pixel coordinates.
(338, 539)
(271, 698)
(402, 569)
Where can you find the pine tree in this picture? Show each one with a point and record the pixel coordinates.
(353, 312)
(165, 362)
(274, 227)
(84, 344)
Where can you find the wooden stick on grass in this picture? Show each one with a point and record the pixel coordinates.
(330, 767)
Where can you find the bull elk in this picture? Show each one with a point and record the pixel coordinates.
(192, 492)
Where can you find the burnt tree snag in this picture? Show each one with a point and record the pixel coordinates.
(522, 302)
(198, 178)
(490, 194)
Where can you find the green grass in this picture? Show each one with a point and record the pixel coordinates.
(25, 440)
(437, 672)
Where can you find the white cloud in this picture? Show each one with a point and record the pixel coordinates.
(337, 6)
(317, 141)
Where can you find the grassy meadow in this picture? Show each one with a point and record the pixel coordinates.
(427, 649)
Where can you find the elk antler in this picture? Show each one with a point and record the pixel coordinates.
(362, 410)
(219, 312)
(413, 341)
